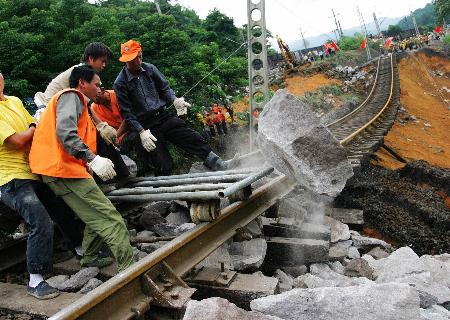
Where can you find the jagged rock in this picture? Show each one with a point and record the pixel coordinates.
(178, 218)
(150, 247)
(359, 268)
(285, 282)
(56, 281)
(79, 279)
(339, 230)
(150, 218)
(384, 301)
(333, 278)
(145, 234)
(131, 165)
(401, 263)
(248, 255)
(176, 206)
(434, 313)
(91, 285)
(367, 243)
(159, 207)
(293, 140)
(219, 255)
(353, 253)
(220, 309)
(296, 270)
(339, 250)
(336, 266)
(378, 253)
(184, 227)
(164, 229)
(254, 228)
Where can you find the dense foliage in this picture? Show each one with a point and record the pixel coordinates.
(41, 38)
(442, 9)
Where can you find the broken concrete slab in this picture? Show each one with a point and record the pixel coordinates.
(150, 218)
(367, 243)
(178, 218)
(353, 217)
(243, 289)
(283, 252)
(339, 250)
(324, 272)
(14, 297)
(306, 231)
(219, 308)
(294, 141)
(291, 208)
(353, 253)
(398, 301)
(79, 279)
(435, 313)
(295, 271)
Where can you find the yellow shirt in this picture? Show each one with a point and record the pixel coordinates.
(14, 118)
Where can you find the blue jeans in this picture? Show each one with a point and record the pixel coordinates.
(20, 195)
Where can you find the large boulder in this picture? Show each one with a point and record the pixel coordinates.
(294, 141)
(385, 301)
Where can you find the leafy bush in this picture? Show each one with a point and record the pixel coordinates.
(447, 39)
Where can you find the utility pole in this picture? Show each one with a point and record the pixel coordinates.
(364, 31)
(337, 24)
(380, 34)
(257, 62)
(158, 7)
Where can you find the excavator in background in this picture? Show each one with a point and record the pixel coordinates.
(287, 54)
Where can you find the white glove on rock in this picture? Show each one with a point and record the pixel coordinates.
(148, 140)
(108, 133)
(103, 167)
(181, 106)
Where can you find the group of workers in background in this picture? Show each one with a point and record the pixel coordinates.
(217, 121)
(48, 163)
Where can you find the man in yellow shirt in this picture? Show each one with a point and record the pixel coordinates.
(20, 190)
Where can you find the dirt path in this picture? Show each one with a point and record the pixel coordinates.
(423, 131)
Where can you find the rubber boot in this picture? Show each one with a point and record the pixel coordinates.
(215, 163)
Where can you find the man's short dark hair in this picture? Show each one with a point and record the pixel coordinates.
(84, 72)
(96, 50)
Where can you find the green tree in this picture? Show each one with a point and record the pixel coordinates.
(442, 9)
(393, 30)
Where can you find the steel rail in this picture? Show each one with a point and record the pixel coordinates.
(363, 103)
(115, 298)
(177, 182)
(367, 124)
(184, 188)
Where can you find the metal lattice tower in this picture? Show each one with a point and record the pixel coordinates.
(380, 34)
(257, 61)
(364, 31)
(415, 26)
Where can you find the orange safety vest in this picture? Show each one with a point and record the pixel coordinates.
(111, 116)
(47, 155)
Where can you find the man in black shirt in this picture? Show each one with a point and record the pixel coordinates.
(143, 94)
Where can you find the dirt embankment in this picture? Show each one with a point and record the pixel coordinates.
(422, 128)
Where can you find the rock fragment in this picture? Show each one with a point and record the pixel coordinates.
(79, 279)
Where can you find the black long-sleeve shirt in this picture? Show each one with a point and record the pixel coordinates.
(140, 96)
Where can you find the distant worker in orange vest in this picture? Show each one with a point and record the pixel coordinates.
(217, 119)
(222, 112)
(63, 153)
(210, 124)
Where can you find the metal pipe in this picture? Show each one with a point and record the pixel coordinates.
(244, 183)
(174, 189)
(183, 196)
(195, 175)
(175, 182)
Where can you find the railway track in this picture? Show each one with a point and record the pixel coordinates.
(157, 279)
(362, 131)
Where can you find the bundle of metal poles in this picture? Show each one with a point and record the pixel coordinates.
(188, 187)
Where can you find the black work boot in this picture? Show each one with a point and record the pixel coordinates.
(215, 163)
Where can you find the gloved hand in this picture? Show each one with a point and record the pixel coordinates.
(108, 133)
(181, 106)
(148, 140)
(37, 116)
(103, 167)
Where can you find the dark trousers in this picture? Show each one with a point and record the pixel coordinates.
(20, 195)
(167, 128)
(108, 151)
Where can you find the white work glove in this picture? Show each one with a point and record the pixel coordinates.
(37, 116)
(103, 167)
(181, 106)
(108, 133)
(148, 140)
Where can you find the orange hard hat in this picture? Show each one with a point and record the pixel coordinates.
(129, 50)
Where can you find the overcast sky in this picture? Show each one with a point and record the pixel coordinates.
(286, 17)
